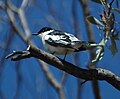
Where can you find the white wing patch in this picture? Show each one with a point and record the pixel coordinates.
(72, 37)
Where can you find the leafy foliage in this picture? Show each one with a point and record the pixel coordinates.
(107, 22)
(113, 46)
(99, 54)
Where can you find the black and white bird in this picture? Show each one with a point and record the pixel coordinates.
(62, 43)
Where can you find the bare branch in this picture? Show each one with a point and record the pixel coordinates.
(24, 4)
(2, 5)
(14, 24)
(86, 12)
(92, 74)
(77, 29)
(51, 79)
(20, 11)
(11, 10)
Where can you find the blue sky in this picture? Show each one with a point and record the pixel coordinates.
(26, 77)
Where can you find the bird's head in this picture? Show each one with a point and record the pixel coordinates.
(43, 30)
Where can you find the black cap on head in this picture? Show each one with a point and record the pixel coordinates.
(44, 29)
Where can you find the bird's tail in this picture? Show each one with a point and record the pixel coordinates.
(86, 46)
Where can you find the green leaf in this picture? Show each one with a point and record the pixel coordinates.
(113, 47)
(93, 20)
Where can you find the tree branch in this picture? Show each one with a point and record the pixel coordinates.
(51, 79)
(92, 74)
(11, 10)
(86, 12)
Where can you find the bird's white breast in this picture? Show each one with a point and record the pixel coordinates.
(57, 50)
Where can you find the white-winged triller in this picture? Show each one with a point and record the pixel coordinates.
(62, 43)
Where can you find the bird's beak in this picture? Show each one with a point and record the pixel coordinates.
(35, 34)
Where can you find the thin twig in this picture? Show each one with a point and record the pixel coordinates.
(51, 79)
(11, 9)
(86, 12)
(20, 11)
(77, 29)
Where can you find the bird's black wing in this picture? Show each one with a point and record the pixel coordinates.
(58, 43)
(59, 39)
